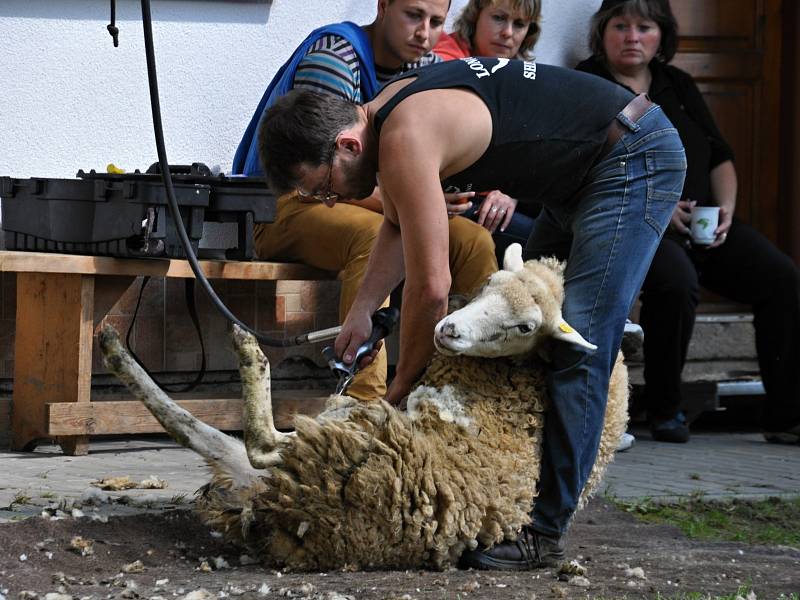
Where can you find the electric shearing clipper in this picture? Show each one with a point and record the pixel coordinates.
(383, 321)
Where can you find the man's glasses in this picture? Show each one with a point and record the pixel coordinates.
(326, 194)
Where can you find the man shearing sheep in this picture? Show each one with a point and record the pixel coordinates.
(608, 167)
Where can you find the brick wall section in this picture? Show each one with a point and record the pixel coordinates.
(165, 338)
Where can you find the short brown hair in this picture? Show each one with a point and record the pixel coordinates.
(658, 11)
(532, 9)
(301, 127)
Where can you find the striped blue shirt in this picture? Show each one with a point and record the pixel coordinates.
(331, 66)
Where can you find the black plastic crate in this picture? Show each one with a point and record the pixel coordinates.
(127, 214)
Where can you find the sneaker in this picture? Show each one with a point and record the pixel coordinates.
(675, 430)
(790, 436)
(531, 550)
(625, 442)
(632, 339)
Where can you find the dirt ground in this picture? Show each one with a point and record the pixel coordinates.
(179, 558)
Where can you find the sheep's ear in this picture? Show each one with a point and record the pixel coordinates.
(512, 260)
(565, 333)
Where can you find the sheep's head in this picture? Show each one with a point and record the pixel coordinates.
(518, 308)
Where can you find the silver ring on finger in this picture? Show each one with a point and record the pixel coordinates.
(494, 209)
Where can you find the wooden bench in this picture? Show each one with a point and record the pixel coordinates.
(60, 300)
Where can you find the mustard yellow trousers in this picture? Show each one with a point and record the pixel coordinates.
(341, 238)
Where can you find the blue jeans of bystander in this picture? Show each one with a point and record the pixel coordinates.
(616, 222)
(518, 230)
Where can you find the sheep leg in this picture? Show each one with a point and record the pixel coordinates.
(182, 426)
(260, 436)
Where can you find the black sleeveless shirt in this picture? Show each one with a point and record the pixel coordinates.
(549, 124)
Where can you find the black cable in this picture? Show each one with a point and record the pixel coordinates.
(112, 27)
(174, 388)
(173, 203)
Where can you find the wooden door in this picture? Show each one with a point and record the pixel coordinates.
(790, 130)
(733, 50)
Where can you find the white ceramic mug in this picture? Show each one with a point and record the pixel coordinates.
(705, 220)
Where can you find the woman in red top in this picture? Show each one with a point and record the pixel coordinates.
(499, 29)
(496, 28)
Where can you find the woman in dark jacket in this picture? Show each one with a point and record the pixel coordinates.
(632, 42)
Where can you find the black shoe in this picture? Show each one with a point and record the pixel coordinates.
(632, 340)
(531, 550)
(675, 430)
(789, 436)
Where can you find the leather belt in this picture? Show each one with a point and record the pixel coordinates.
(634, 111)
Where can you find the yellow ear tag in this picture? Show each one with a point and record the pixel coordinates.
(566, 328)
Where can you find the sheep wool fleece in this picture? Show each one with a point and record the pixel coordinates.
(387, 489)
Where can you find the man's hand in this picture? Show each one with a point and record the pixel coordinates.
(496, 211)
(457, 203)
(355, 331)
(682, 217)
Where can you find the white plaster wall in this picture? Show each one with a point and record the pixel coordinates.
(71, 100)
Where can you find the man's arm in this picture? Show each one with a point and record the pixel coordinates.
(414, 233)
(414, 195)
(423, 139)
(385, 271)
(327, 70)
(427, 137)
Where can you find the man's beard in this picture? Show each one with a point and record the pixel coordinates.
(360, 175)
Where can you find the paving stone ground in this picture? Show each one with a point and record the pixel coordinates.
(716, 465)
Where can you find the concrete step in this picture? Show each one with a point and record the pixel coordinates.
(721, 360)
(722, 346)
(727, 336)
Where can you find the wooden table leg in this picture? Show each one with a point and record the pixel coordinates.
(52, 354)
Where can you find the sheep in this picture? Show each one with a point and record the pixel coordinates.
(365, 485)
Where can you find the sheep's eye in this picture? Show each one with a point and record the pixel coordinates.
(524, 328)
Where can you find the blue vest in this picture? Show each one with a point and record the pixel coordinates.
(246, 161)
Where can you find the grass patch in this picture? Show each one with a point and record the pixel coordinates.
(179, 499)
(774, 521)
(743, 593)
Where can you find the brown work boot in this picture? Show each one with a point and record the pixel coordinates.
(531, 550)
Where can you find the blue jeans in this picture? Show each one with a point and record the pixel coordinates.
(616, 221)
(518, 230)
